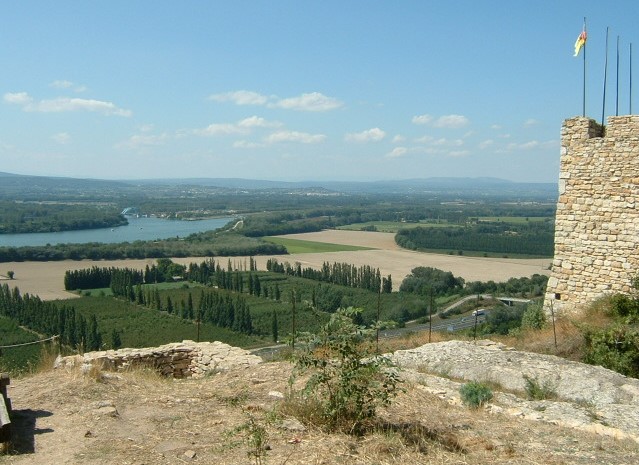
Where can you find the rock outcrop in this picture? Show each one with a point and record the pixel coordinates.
(586, 397)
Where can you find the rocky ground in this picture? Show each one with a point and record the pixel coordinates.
(66, 416)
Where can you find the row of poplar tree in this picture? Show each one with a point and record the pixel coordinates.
(49, 319)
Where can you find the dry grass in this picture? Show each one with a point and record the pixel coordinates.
(158, 420)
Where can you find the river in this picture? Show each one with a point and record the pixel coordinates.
(138, 229)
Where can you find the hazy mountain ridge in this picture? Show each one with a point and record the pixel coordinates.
(464, 186)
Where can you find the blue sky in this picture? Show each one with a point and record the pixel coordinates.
(300, 90)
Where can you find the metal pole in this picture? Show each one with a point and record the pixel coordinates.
(630, 112)
(379, 298)
(617, 97)
(554, 329)
(603, 106)
(584, 86)
(430, 316)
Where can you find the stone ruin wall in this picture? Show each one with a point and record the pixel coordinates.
(597, 222)
(186, 359)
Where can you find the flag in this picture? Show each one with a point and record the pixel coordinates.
(581, 41)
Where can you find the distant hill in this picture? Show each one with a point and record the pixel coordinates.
(476, 187)
(422, 185)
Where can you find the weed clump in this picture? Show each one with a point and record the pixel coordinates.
(348, 380)
(475, 394)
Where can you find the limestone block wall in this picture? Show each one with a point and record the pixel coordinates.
(185, 359)
(597, 223)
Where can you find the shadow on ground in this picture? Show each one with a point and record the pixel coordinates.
(24, 430)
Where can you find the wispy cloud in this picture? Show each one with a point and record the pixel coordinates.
(61, 138)
(313, 101)
(144, 140)
(486, 144)
(398, 139)
(422, 119)
(451, 121)
(294, 136)
(241, 127)
(241, 97)
(64, 104)
(531, 122)
(64, 84)
(370, 135)
(397, 152)
(446, 121)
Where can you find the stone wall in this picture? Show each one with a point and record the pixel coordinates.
(184, 359)
(597, 222)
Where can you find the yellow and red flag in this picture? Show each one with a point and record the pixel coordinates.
(581, 41)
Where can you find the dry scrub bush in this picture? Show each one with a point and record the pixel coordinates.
(347, 381)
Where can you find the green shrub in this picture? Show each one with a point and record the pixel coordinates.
(615, 348)
(536, 390)
(475, 394)
(534, 316)
(624, 306)
(348, 379)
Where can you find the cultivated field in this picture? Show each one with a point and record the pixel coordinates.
(46, 279)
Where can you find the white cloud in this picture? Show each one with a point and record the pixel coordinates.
(313, 101)
(398, 139)
(495, 126)
(241, 97)
(458, 153)
(370, 135)
(397, 152)
(18, 98)
(531, 122)
(422, 119)
(241, 127)
(221, 129)
(486, 144)
(64, 84)
(258, 122)
(294, 136)
(424, 140)
(533, 144)
(144, 140)
(451, 121)
(244, 144)
(63, 104)
(61, 138)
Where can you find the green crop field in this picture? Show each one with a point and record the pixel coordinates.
(17, 359)
(391, 226)
(299, 246)
(145, 327)
(514, 219)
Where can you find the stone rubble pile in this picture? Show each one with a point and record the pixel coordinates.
(186, 359)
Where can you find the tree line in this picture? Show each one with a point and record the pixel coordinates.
(535, 238)
(48, 319)
(32, 217)
(228, 244)
(343, 274)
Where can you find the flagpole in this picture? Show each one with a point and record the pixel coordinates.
(603, 106)
(583, 109)
(617, 96)
(630, 112)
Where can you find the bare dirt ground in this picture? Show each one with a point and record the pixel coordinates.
(65, 417)
(46, 279)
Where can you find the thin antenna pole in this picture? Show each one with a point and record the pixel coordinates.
(630, 112)
(603, 106)
(617, 96)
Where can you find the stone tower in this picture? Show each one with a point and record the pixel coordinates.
(597, 223)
